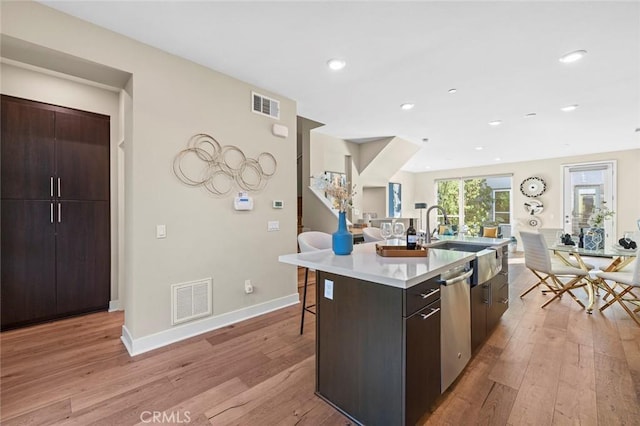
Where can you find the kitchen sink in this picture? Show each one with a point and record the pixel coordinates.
(457, 246)
(486, 265)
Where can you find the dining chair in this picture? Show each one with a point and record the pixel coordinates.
(550, 236)
(537, 258)
(371, 234)
(627, 280)
(311, 241)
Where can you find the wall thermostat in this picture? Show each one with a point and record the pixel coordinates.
(278, 204)
(243, 202)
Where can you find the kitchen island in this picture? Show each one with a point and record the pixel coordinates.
(379, 328)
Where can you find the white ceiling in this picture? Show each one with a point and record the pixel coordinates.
(502, 57)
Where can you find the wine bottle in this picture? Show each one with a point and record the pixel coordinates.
(581, 239)
(412, 237)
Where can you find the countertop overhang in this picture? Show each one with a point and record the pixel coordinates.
(364, 264)
(402, 272)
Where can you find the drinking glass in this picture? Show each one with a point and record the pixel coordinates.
(559, 236)
(385, 230)
(398, 230)
(628, 237)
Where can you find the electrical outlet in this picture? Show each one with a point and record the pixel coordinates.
(248, 287)
(328, 289)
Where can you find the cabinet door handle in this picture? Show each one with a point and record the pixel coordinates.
(431, 293)
(51, 185)
(59, 213)
(52, 212)
(433, 312)
(58, 187)
(504, 301)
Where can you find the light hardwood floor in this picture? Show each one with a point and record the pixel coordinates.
(556, 365)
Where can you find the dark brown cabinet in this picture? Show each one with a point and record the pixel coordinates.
(488, 302)
(55, 212)
(378, 349)
(422, 361)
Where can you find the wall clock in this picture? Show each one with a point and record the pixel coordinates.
(533, 187)
(534, 222)
(533, 207)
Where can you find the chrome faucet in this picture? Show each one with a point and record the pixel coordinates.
(427, 235)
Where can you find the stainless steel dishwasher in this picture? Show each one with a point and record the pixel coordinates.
(455, 323)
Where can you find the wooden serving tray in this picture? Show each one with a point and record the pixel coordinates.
(400, 251)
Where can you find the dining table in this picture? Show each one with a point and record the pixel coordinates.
(619, 256)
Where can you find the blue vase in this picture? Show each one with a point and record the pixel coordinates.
(594, 239)
(342, 240)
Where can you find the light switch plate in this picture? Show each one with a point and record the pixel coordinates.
(328, 289)
(161, 231)
(273, 225)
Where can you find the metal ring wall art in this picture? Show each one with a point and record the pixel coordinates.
(219, 168)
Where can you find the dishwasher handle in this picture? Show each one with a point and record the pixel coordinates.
(456, 279)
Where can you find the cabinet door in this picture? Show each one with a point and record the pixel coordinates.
(82, 156)
(83, 256)
(27, 150)
(479, 306)
(28, 262)
(499, 299)
(422, 361)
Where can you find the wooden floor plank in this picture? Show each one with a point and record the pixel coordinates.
(576, 398)
(497, 406)
(244, 404)
(536, 397)
(617, 400)
(200, 403)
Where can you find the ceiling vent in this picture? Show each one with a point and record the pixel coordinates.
(265, 106)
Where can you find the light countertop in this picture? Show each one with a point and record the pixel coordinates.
(364, 264)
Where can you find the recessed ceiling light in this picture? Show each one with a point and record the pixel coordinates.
(569, 108)
(531, 114)
(427, 167)
(572, 56)
(479, 148)
(497, 159)
(452, 90)
(407, 107)
(336, 64)
(495, 123)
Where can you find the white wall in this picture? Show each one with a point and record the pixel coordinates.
(173, 99)
(627, 206)
(327, 153)
(30, 83)
(374, 200)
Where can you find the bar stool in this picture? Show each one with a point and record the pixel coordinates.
(371, 235)
(311, 241)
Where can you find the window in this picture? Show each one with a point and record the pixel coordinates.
(472, 202)
(502, 205)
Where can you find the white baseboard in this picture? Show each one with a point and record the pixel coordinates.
(185, 331)
(114, 305)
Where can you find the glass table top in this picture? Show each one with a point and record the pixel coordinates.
(606, 252)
